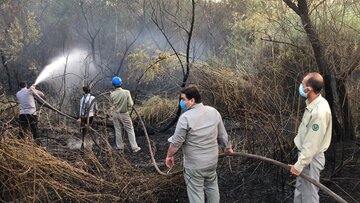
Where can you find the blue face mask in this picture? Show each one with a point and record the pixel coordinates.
(302, 92)
(182, 105)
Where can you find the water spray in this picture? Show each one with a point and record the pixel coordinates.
(74, 62)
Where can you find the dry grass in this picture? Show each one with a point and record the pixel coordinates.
(222, 88)
(156, 110)
(262, 107)
(31, 173)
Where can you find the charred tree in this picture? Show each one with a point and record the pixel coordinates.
(4, 62)
(348, 130)
(92, 37)
(186, 68)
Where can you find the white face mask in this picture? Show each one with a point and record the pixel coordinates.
(302, 92)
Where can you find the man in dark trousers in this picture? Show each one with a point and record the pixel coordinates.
(27, 118)
(88, 109)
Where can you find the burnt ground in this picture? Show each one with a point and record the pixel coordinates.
(246, 180)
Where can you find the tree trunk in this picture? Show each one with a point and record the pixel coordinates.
(302, 10)
(187, 71)
(348, 132)
(4, 62)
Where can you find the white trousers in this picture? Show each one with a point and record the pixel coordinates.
(306, 192)
(123, 120)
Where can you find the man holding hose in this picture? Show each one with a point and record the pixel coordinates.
(199, 131)
(313, 138)
(28, 117)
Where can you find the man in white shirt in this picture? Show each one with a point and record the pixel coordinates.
(88, 109)
(27, 118)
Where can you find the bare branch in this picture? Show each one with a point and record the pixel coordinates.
(316, 6)
(126, 52)
(281, 42)
(168, 41)
(292, 6)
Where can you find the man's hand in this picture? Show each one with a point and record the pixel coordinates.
(78, 120)
(169, 161)
(229, 150)
(293, 170)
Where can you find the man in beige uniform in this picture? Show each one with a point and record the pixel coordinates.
(123, 102)
(313, 138)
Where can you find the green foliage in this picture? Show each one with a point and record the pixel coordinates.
(145, 67)
(264, 30)
(337, 15)
(18, 30)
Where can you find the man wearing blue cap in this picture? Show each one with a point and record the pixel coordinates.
(122, 103)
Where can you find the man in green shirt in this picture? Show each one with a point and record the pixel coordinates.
(122, 103)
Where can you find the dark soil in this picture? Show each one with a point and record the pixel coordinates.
(245, 180)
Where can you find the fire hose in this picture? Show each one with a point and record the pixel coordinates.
(241, 154)
(253, 156)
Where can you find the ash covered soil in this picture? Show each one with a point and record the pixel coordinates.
(246, 180)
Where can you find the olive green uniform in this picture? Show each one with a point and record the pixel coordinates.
(123, 102)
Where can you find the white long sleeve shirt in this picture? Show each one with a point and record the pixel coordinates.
(26, 100)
